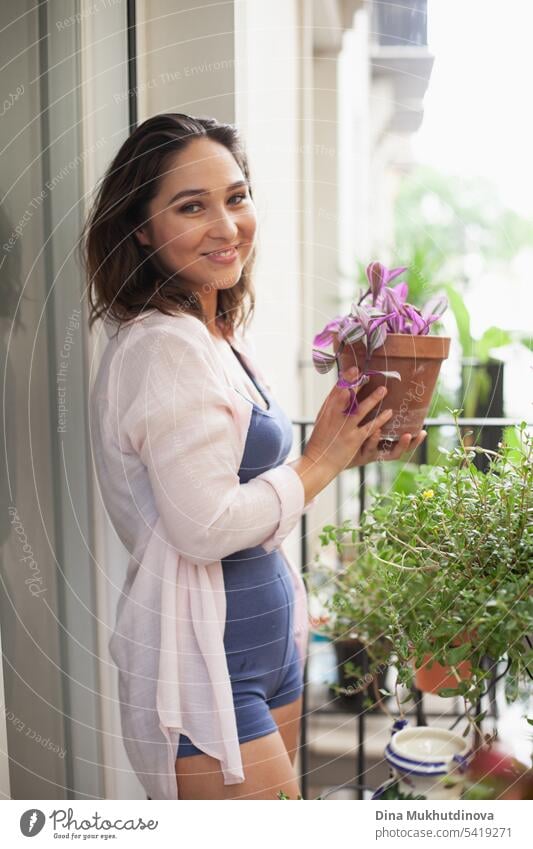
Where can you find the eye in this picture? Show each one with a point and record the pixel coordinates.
(190, 206)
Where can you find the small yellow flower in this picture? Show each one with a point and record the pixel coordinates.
(427, 494)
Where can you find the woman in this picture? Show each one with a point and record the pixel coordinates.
(190, 449)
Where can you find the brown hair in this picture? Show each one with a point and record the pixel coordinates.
(124, 279)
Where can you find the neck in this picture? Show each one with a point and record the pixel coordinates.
(209, 307)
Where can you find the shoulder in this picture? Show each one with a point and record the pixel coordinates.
(154, 334)
(160, 348)
(153, 322)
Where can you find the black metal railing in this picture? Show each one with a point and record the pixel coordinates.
(484, 429)
(400, 23)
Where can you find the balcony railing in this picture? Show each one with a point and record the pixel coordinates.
(484, 428)
(400, 22)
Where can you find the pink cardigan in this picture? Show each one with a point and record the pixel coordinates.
(168, 431)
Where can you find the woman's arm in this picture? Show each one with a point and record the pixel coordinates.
(314, 477)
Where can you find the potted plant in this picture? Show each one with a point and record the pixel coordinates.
(433, 677)
(387, 339)
(453, 561)
(462, 550)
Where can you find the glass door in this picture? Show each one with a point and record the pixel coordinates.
(63, 62)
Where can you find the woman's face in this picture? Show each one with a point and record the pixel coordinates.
(202, 205)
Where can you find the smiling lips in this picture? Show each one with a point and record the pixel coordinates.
(223, 257)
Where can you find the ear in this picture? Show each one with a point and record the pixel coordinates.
(142, 237)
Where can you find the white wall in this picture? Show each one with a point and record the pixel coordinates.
(185, 58)
(354, 153)
(267, 114)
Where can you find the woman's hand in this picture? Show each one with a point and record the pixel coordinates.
(337, 438)
(371, 451)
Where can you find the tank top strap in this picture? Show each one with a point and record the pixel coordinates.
(261, 389)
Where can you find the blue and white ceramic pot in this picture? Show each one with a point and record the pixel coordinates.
(426, 761)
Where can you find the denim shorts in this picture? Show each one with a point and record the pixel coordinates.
(263, 661)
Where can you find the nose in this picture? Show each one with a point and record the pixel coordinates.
(223, 225)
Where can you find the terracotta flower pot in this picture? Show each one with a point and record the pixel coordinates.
(418, 360)
(432, 677)
(435, 677)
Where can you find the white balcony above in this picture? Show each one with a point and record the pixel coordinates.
(330, 19)
(409, 67)
(407, 71)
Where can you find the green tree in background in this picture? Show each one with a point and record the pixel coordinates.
(442, 221)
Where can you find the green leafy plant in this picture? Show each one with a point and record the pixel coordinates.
(452, 558)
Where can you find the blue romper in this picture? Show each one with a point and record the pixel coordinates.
(263, 662)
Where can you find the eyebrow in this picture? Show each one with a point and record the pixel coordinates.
(189, 192)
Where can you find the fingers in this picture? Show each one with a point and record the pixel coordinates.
(406, 443)
(369, 403)
(339, 395)
(351, 373)
(401, 446)
(370, 450)
(412, 442)
(376, 423)
(420, 438)
(371, 444)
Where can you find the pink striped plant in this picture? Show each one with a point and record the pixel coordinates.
(380, 310)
